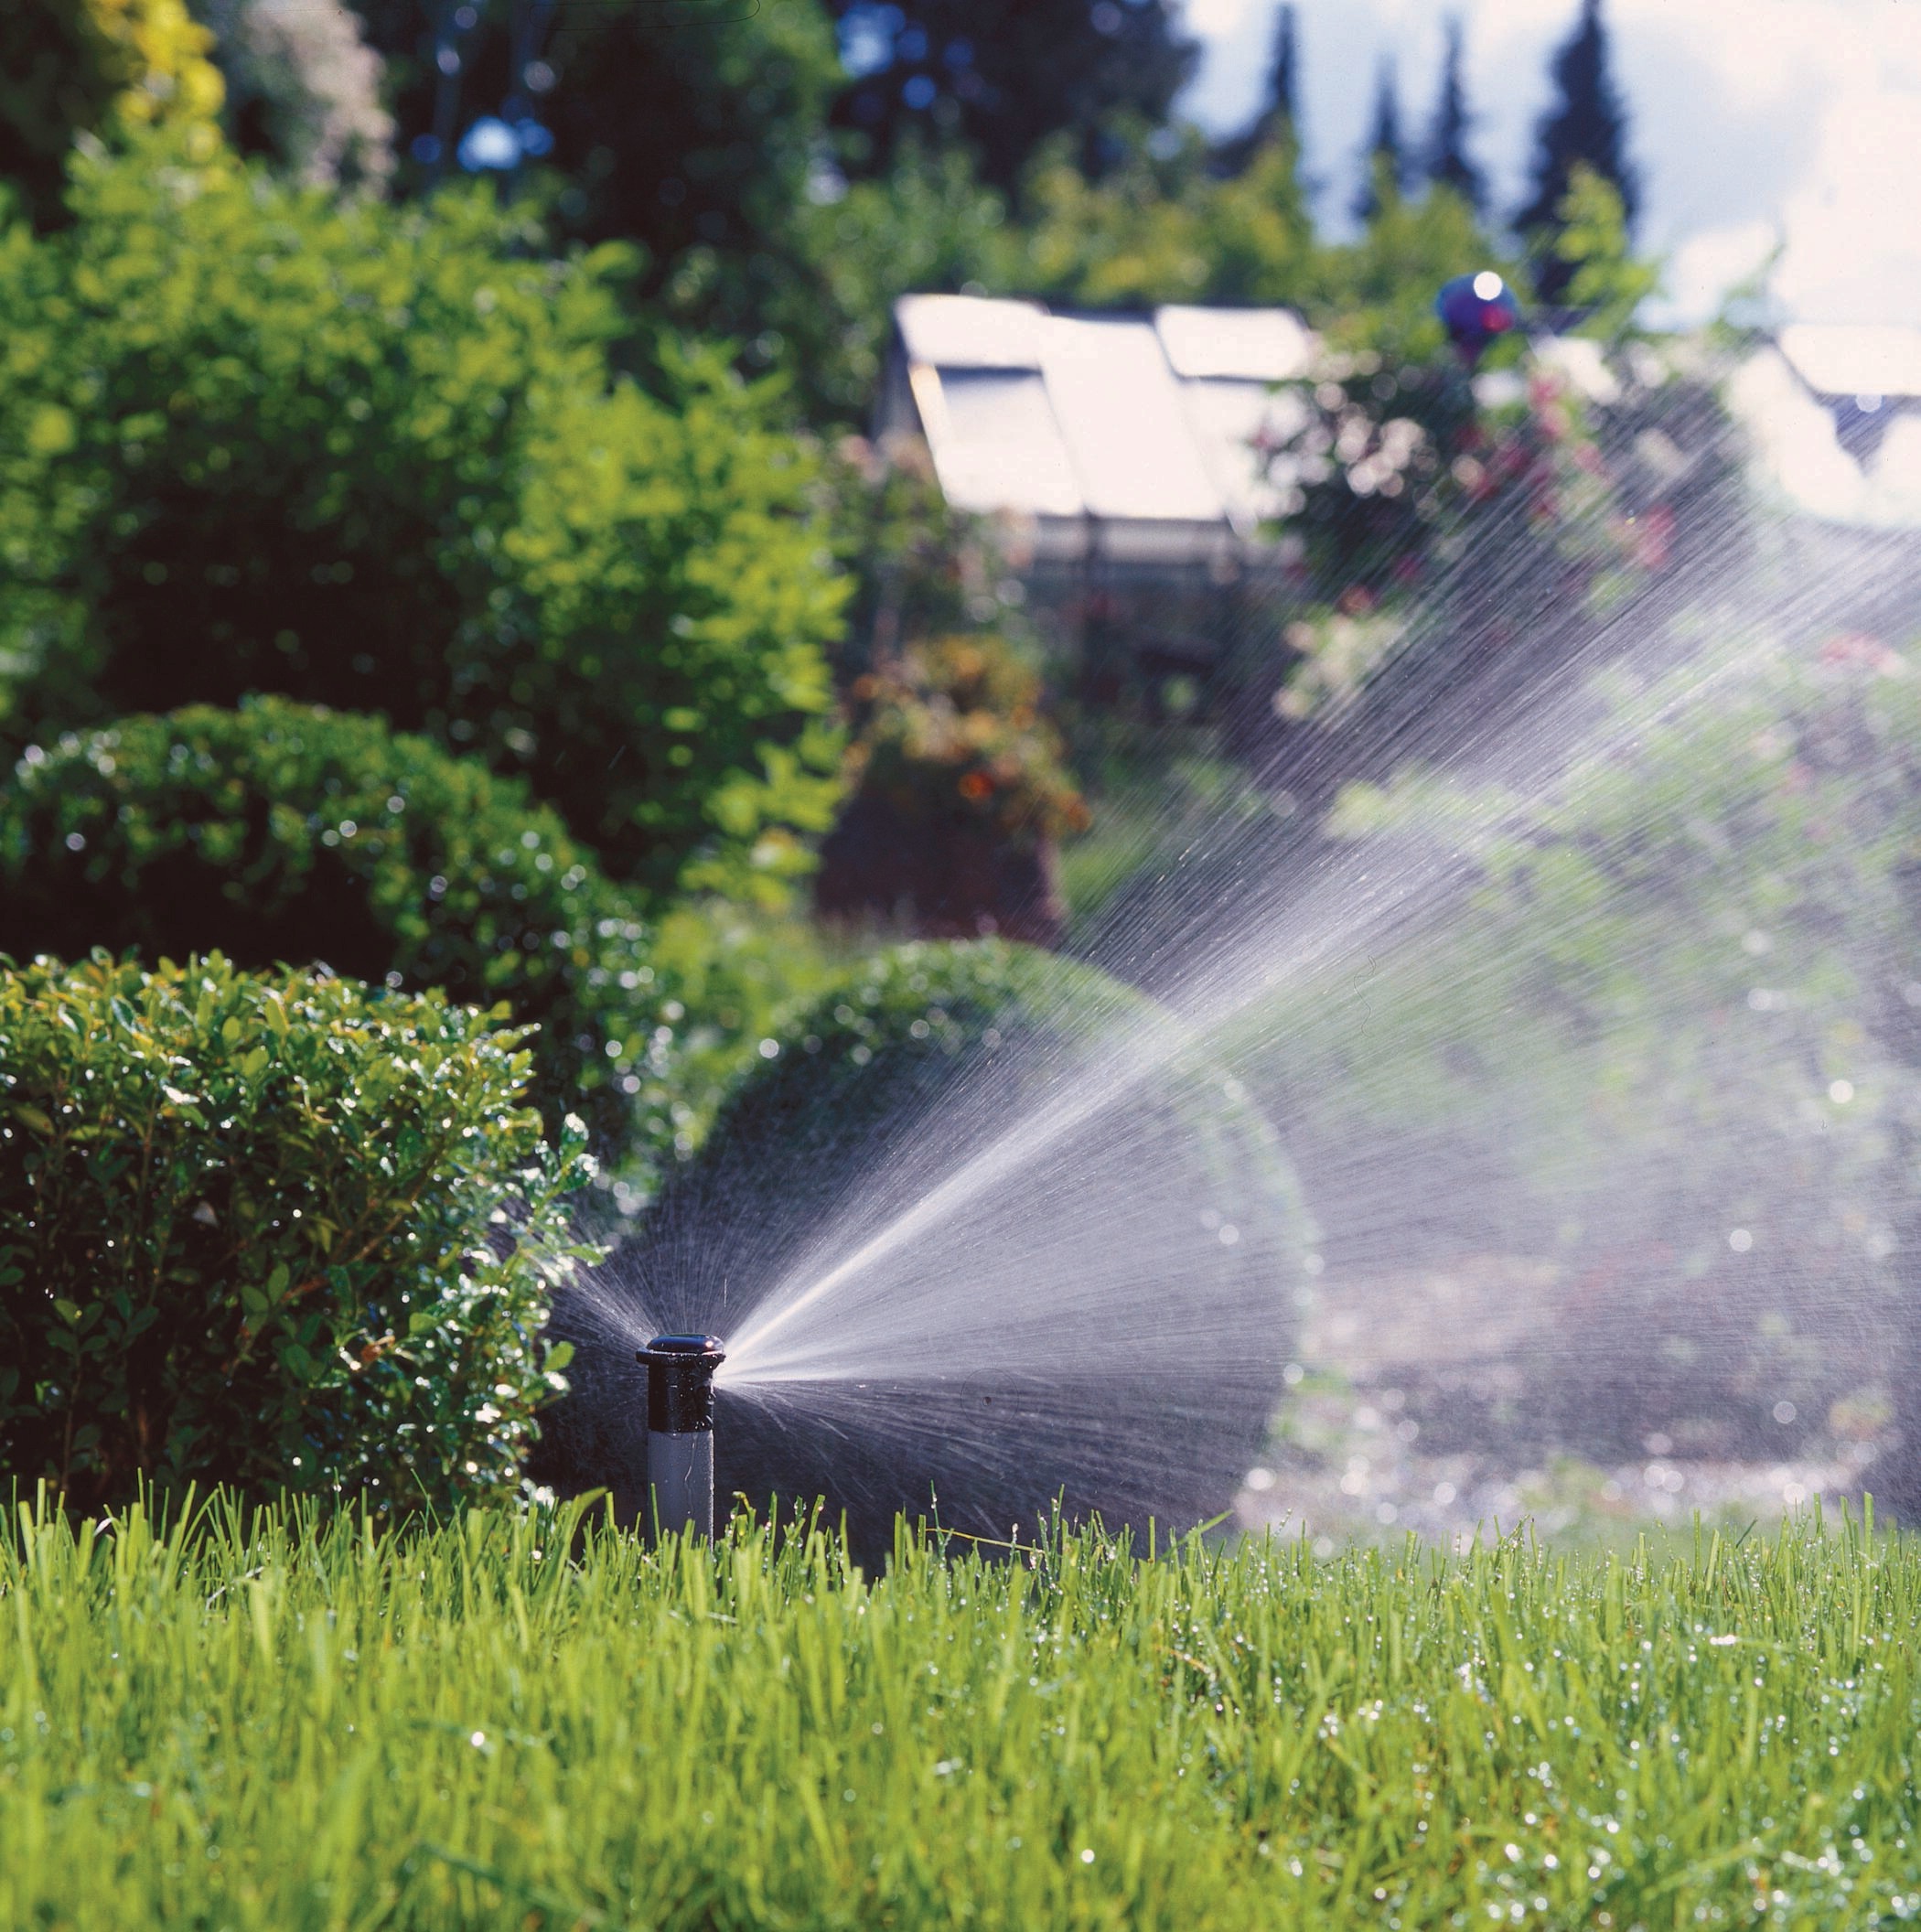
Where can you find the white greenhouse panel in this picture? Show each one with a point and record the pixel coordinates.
(971, 331)
(1854, 359)
(1231, 420)
(1119, 406)
(1256, 345)
(995, 444)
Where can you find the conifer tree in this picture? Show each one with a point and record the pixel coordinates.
(1587, 123)
(1278, 117)
(1449, 163)
(1283, 74)
(1383, 161)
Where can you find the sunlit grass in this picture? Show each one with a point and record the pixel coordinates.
(534, 1723)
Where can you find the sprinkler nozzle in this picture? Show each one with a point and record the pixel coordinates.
(679, 1430)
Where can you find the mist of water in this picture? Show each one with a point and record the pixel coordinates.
(1043, 1223)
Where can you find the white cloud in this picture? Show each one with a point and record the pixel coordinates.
(1212, 19)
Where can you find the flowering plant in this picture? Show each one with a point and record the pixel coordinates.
(951, 731)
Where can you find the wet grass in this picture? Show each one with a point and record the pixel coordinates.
(279, 1723)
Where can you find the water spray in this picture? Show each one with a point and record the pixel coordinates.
(679, 1430)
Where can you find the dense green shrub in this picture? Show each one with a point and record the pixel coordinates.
(279, 833)
(251, 439)
(278, 1231)
(1153, 1342)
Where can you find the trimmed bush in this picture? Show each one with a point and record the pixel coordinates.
(278, 1231)
(279, 833)
(922, 1058)
(253, 439)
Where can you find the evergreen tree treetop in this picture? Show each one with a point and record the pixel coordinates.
(1006, 76)
(1586, 125)
(1384, 159)
(1283, 88)
(1448, 161)
(1279, 118)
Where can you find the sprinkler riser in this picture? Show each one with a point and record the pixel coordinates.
(680, 1480)
(680, 1432)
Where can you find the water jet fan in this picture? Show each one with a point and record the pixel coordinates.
(679, 1430)
(1038, 1251)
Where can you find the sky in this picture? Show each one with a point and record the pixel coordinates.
(1754, 124)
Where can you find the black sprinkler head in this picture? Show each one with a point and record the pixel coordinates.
(680, 1382)
(679, 1430)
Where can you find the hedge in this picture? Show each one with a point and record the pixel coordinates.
(254, 439)
(283, 833)
(279, 1231)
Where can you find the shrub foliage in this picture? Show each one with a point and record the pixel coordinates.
(254, 440)
(275, 1231)
(94, 68)
(279, 833)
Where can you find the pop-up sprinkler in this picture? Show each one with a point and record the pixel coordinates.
(679, 1430)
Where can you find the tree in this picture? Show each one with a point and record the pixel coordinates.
(696, 131)
(1283, 88)
(1005, 75)
(1448, 162)
(1605, 280)
(253, 440)
(928, 225)
(1168, 230)
(1279, 118)
(1383, 161)
(1586, 125)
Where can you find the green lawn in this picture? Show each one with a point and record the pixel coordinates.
(265, 1724)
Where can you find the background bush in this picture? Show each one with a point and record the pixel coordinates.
(277, 1231)
(76, 68)
(251, 439)
(279, 833)
(949, 735)
(916, 1058)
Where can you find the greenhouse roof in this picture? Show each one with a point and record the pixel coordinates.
(1144, 422)
(1833, 412)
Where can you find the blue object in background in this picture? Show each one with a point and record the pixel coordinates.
(1474, 310)
(490, 144)
(535, 140)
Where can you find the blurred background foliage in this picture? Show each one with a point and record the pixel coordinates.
(218, 388)
(92, 69)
